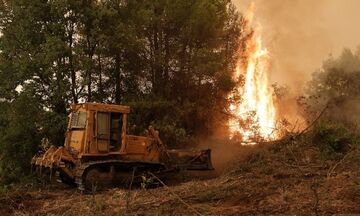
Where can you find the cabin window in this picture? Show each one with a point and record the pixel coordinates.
(115, 131)
(109, 129)
(103, 125)
(78, 120)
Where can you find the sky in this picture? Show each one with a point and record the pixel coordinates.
(301, 34)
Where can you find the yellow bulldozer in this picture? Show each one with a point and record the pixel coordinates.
(98, 150)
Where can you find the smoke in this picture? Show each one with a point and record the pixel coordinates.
(300, 35)
(225, 152)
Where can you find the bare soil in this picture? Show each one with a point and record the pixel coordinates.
(281, 179)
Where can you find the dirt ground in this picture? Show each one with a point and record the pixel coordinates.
(284, 179)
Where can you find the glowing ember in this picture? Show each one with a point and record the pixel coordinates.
(254, 115)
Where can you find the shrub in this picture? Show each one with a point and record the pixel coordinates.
(333, 140)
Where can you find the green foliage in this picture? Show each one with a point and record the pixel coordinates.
(334, 92)
(172, 60)
(53, 127)
(337, 85)
(333, 140)
(19, 139)
(157, 114)
(174, 135)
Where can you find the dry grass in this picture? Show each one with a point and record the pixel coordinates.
(285, 178)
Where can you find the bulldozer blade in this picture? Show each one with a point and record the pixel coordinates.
(191, 160)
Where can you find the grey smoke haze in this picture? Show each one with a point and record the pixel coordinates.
(300, 34)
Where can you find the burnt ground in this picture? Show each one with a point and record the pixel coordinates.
(289, 178)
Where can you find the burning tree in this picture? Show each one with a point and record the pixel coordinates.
(254, 116)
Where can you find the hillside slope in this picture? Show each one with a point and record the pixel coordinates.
(289, 177)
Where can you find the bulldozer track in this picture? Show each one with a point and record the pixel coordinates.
(80, 178)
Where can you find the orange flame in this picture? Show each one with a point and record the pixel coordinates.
(255, 116)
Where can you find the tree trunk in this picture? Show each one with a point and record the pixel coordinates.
(117, 79)
(156, 60)
(72, 70)
(89, 80)
(166, 66)
(59, 103)
(100, 86)
(91, 49)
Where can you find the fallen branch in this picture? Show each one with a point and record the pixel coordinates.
(293, 138)
(177, 196)
(295, 125)
(313, 123)
(316, 195)
(293, 154)
(128, 194)
(332, 169)
(301, 166)
(61, 207)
